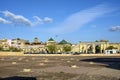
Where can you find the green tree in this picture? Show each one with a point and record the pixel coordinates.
(52, 48)
(1, 48)
(97, 48)
(111, 47)
(104, 41)
(67, 48)
(101, 41)
(18, 39)
(13, 49)
(96, 41)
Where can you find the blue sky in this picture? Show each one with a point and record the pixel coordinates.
(72, 20)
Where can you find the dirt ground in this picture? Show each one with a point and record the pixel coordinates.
(59, 68)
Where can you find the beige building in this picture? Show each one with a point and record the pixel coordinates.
(117, 45)
(5, 44)
(35, 47)
(94, 47)
(18, 43)
(51, 42)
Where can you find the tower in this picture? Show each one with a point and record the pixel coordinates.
(35, 40)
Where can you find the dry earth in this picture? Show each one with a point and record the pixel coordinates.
(59, 68)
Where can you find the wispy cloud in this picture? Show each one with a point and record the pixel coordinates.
(47, 19)
(38, 20)
(21, 20)
(115, 29)
(79, 19)
(4, 21)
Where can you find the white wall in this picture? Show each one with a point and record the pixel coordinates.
(110, 51)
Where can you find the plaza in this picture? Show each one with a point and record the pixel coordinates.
(59, 68)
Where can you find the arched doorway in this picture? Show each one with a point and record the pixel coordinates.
(97, 49)
(90, 49)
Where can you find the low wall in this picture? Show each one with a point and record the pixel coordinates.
(11, 54)
(21, 54)
(48, 55)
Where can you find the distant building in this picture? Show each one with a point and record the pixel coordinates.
(110, 51)
(5, 44)
(93, 47)
(51, 41)
(18, 43)
(36, 40)
(62, 44)
(35, 47)
(102, 46)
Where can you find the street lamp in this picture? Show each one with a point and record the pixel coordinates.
(79, 46)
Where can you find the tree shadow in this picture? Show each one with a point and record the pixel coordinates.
(18, 78)
(113, 63)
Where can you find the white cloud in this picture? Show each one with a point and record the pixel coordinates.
(47, 19)
(17, 19)
(21, 20)
(115, 29)
(79, 19)
(4, 21)
(37, 20)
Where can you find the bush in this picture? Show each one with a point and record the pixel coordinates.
(15, 49)
(52, 48)
(67, 48)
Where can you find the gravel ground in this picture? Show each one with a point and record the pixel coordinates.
(59, 68)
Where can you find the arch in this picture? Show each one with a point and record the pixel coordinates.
(97, 49)
(90, 49)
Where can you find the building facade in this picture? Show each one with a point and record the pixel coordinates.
(18, 43)
(40, 47)
(94, 47)
(34, 47)
(5, 44)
